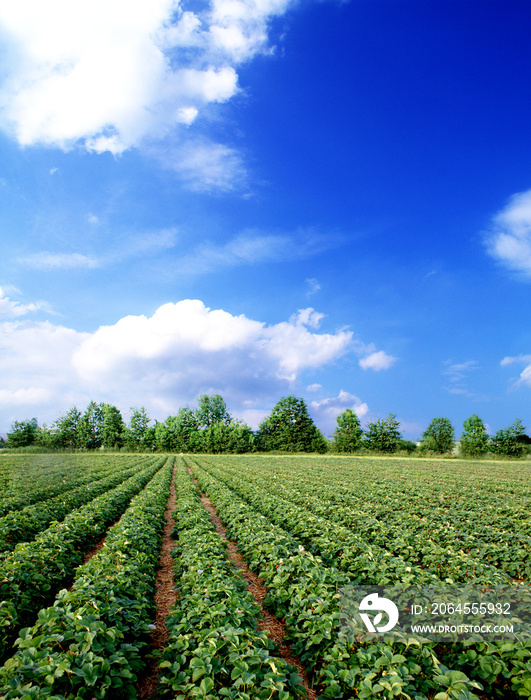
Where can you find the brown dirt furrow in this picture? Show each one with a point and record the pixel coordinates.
(164, 599)
(255, 585)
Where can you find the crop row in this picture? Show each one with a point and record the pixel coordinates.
(304, 591)
(468, 493)
(32, 478)
(364, 557)
(438, 546)
(30, 576)
(22, 525)
(90, 643)
(214, 649)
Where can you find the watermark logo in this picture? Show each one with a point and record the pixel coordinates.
(439, 612)
(373, 602)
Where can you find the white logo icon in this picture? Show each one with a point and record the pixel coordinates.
(373, 602)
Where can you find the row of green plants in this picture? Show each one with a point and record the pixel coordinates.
(214, 649)
(31, 575)
(91, 643)
(462, 550)
(28, 479)
(22, 525)
(503, 669)
(209, 428)
(362, 554)
(303, 591)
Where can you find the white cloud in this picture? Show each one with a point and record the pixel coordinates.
(525, 375)
(457, 371)
(511, 360)
(377, 361)
(314, 387)
(509, 239)
(191, 344)
(38, 379)
(205, 166)
(14, 309)
(112, 73)
(458, 374)
(255, 246)
(59, 261)
(165, 361)
(325, 412)
(313, 286)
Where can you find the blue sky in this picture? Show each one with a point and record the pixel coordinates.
(325, 198)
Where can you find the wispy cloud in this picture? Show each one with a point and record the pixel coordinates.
(59, 261)
(254, 246)
(509, 239)
(525, 374)
(313, 286)
(457, 373)
(15, 309)
(204, 165)
(131, 245)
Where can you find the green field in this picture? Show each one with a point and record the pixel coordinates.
(307, 525)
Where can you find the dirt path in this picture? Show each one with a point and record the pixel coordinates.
(268, 622)
(164, 599)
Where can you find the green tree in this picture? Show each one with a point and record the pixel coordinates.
(178, 433)
(211, 409)
(474, 441)
(347, 435)
(139, 434)
(23, 433)
(112, 426)
(289, 427)
(235, 438)
(90, 427)
(65, 429)
(383, 435)
(510, 441)
(439, 436)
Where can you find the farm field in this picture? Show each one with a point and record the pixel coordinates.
(81, 535)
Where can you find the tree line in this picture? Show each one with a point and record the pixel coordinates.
(210, 428)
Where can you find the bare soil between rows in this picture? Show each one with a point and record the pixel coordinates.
(255, 585)
(164, 599)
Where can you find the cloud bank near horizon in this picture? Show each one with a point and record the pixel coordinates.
(165, 361)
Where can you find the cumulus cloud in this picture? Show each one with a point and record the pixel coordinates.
(163, 361)
(37, 378)
(377, 361)
(189, 344)
(111, 73)
(509, 238)
(325, 412)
